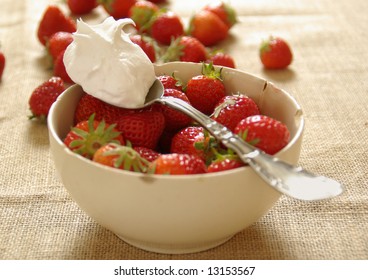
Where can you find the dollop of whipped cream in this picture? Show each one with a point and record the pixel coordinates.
(108, 65)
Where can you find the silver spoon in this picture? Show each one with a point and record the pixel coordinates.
(285, 178)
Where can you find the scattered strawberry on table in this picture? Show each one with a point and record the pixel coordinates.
(224, 11)
(117, 8)
(147, 44)
(208, 28)
(275, 53)
(142, 13)
(165, 27)
(185, 48)
(44, 96)
(52, 21)
(59, 68)
(58, 42)
(81, 7)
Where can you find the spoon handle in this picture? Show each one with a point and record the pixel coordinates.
(285, 178)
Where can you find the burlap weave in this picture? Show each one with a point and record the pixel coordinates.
(329, 78)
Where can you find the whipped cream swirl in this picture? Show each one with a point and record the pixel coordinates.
(108, 65)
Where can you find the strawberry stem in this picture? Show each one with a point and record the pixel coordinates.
(128, 158)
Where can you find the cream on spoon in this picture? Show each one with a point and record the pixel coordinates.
(108, 65)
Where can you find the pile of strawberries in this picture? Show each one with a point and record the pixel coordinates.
(170, 40)
(160, 140)
(160, 33)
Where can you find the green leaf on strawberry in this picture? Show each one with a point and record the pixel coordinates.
(121, 157)
(88, 136)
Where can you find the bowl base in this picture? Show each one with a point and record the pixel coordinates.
(174, 249)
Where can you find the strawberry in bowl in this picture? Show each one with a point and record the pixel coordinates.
(193, 209)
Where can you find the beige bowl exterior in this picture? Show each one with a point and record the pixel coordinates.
(174, 214)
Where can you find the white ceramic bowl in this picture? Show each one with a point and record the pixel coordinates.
(174, 214)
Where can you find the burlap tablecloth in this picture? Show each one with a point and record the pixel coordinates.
(39, 220)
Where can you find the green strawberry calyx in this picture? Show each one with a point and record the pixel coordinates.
(265, 45)
(174, 51)
(210, 71)
(225, 154)
(244, 134)
(231, 14)
(207, 145)
(88, 142)
(128, 158)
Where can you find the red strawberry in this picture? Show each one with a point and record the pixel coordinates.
(58, 42)
(171, 82)
(185, 48)
(59, 69)
(121, 157)
(275, 53)
(221, 59)
(174, 119)
(194, 140)
(52, 21)
(208, 28)
(264, 132)
(2, 64)
(89, 105)
(88, 136)
(141, 13)
(224, 11)
(142, 128)
(166, 27)
(81, 7)
(231, 109)
(225, 163)
(178, 164)
(44, 96)
(205, 91)
(147, 45)
(117, 8)
(147, 153)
